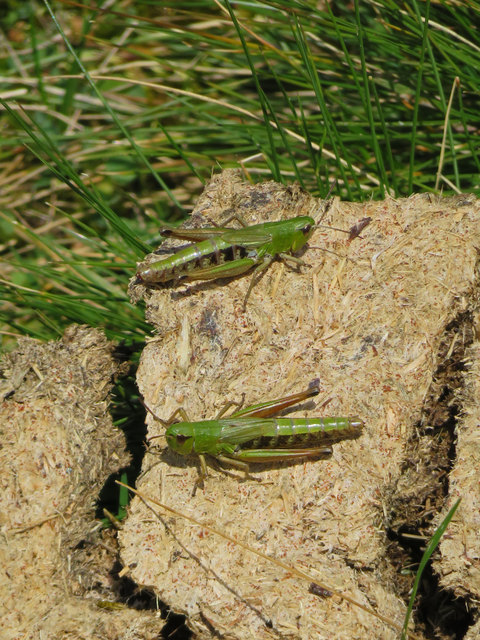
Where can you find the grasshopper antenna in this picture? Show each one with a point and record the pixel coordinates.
(357, 228)
(354, 231)
(151, 412)
(314, 387)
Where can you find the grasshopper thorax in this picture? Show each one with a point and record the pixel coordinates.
(194, 437)
(304, 226)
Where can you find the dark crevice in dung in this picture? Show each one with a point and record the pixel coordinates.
(422, 489)
(129, 593)
(128, 414)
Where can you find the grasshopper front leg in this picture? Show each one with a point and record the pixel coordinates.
(286, 257)
(263, 266)
(257, 275)
(272, 407)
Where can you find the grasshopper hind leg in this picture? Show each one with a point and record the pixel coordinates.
(229, 405)
(239, 464)
(234, 216)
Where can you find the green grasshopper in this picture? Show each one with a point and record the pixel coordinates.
(251, 435)
(222, 252)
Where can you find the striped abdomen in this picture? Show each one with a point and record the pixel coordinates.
(190, 263)
(291, 433)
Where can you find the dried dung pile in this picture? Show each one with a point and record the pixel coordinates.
(58, 448)
(459, 563)
(385, 323)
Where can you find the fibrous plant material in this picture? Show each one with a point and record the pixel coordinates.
(367, 320)
(459, 566)
(58, 448)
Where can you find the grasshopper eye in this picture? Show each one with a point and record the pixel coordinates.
(181, 439)
(306, 229)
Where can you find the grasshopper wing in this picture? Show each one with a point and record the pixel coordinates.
(249, 238)
(238, 431)
(193, 235)
(263, 443)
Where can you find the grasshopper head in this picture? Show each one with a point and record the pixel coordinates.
(304, 227)
(180, 439)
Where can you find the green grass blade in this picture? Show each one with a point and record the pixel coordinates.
(432, 545)
(330, 128)
(112, 113)
(386, 136)
(65, 172)
(272, 156)
(418, 89)
(368, 102)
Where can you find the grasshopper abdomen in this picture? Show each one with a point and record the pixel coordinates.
(196, 262)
